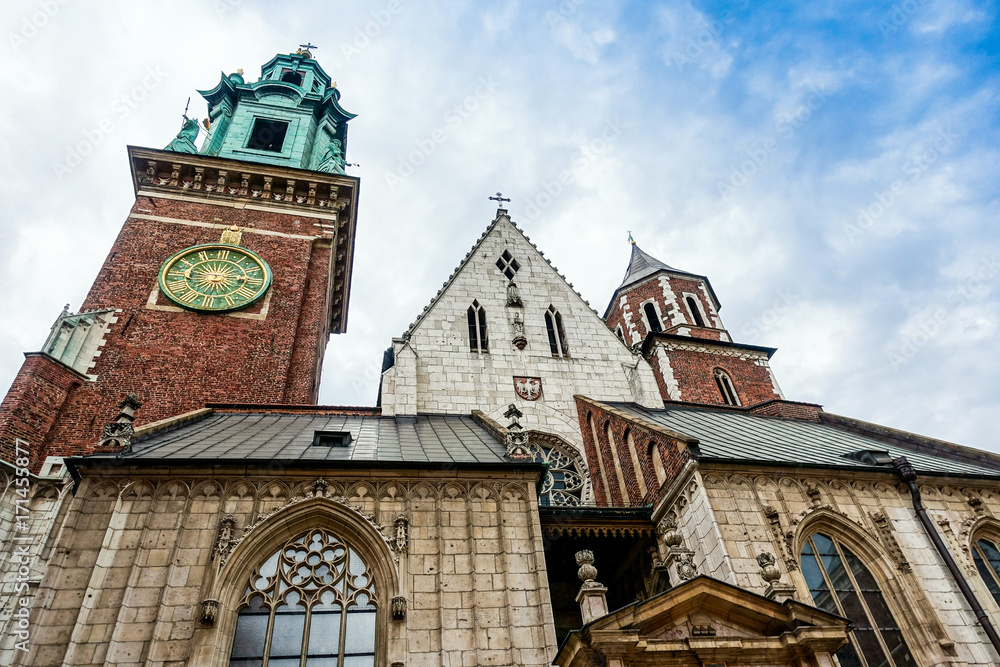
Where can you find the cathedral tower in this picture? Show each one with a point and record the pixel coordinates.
(228, 275)
(674, 316)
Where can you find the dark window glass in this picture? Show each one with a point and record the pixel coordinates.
(267, 135)
(550, 328)
(563, 348)
(293, 78)
(987, 559)
(508, 265)
(695, 313)
(652, 318)
(876, 640)
(476, 316)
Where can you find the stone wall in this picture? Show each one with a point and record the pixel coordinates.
(436, 371)
(728, 516)
(139, 552)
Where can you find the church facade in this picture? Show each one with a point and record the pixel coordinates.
(536, 484)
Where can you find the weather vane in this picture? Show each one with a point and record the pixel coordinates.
(500, 199)
(630, 239)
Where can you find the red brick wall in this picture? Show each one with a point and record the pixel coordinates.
(648, 443)
(789, 410)
(639, 294)
(695, 375)
(179, 361)
(32, 405)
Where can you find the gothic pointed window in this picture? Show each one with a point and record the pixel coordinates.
(726, 388)
(620, 334)
(556, 332)
(695, 310)
(508, 265)
(841, 584)
(476, 316)
(312, 603)
(564, 476)
(652, 317)
(987, 559)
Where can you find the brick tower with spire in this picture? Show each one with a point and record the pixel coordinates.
(673, 317)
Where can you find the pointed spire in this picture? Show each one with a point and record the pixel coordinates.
(642, 265)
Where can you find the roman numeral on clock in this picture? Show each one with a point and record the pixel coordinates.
(246, 292)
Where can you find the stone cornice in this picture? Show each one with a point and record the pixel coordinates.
(706, 346)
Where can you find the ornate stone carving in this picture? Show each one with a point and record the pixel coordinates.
(398, 605)
(815, 495)
(118, 434)
(780, 539)
(768, 570)
(587, 572)
(528, 388)
(225, 540)
(667, 529)
(517, 324)
(517, 438)
(888, 539)
(319, 488)
(401, 533)
(513, 295)
(209, 610)
(685, 566)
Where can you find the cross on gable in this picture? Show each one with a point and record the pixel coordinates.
(500, 199)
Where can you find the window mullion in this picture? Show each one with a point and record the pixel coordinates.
(270, 633)
(987, 562)
(864, 605)
(305, 635)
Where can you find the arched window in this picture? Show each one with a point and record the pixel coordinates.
(557, 335)
(620, 334)
(841, 584)
(652, 318)
(293, 78)
(563, 483)
(726, 387)
(312, 603)
(695, 310)
(987, 558)
(477, 328)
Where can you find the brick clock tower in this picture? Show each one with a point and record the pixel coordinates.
(226, 280)
(673, 317)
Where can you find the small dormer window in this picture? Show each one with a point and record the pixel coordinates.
(294, 78)
(652, 318)
(508, 265)
(331, 439)
(267, 135)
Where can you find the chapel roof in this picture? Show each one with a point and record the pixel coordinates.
(731, 436)
(277, 436)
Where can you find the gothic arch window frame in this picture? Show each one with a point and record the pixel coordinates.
(698, 312)
(621, 334)
(986, 529)
(909, 606)
(567, 475)
(616, 464)
(230, 586)
(633, 451)
(724, 381)
(660, 324)
(656, 461)
(479, 340)
(556, 333)
(592, 423)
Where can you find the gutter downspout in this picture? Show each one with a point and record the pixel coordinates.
(909, 475)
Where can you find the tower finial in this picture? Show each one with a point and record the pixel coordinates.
(630, 239)
(304, 50)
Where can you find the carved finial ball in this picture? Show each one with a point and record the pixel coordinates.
(768, 570)
(587, 571)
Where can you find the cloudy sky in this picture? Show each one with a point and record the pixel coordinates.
(831, 166)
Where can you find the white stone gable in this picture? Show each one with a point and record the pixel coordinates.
(436, 371)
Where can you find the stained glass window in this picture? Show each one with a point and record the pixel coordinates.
(311, 604)
(841, 584)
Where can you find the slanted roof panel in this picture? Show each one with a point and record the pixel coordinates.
(271, 436)
(739, 436)
(642, 265)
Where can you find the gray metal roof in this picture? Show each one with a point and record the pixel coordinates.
(739, 436)
(642, 265)
(276, 436)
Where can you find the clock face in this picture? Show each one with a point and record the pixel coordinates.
(215, 278)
